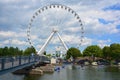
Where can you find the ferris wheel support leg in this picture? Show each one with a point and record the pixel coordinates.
(62, 41)
(46, 43)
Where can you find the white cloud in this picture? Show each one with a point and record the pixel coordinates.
(1, 44)
(7, 34)
(12, 34)
(14, 42)
(87, 41)
(103, 43)
(95, 27)
(92, 25)
(73, 29)
(6, 42)
(26, 6)
(71, 39)
(89, 11)
(9, 1)
(18, 42)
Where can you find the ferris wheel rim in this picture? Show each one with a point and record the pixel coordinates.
(40, 10)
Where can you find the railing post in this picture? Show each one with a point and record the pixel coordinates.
(34, 58)
(41, 58)
(38, 58)
(12, 61)
(29, 59)
(3, 64)
(19, 60)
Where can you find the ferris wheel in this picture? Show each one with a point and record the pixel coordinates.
(58, 18)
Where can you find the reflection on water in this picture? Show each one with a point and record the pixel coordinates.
(31, 77)
(71, 72)
(112, 69)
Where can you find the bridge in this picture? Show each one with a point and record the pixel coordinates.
(11, 64)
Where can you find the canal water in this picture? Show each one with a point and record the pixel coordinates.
(70, 72)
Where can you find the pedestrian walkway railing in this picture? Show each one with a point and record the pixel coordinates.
(13, 63)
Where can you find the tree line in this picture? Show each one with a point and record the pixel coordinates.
(111, 52)
(15, 51)
(108, 52)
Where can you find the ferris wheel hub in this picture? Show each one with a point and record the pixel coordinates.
(55, 30)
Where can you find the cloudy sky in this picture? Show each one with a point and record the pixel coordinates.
(101, 19)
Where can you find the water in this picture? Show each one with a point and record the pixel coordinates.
(72, 73)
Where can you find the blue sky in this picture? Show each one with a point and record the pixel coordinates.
(101, 19)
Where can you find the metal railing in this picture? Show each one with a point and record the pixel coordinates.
(7, 63)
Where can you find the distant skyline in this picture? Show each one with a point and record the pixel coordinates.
(101, 19)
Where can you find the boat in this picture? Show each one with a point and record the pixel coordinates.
(94, 63)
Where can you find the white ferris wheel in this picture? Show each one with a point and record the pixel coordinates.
(55, 20)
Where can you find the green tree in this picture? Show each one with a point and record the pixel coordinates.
(106, 52)
(11, 51)
(49, 55)
(5, 51)
(1, 52)
(115, 50)
(93, 50)
(29, 50)
(17, 52)
(73, 52)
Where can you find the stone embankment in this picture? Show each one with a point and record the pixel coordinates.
(49, 68)
(36, 71)
(46, 69)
